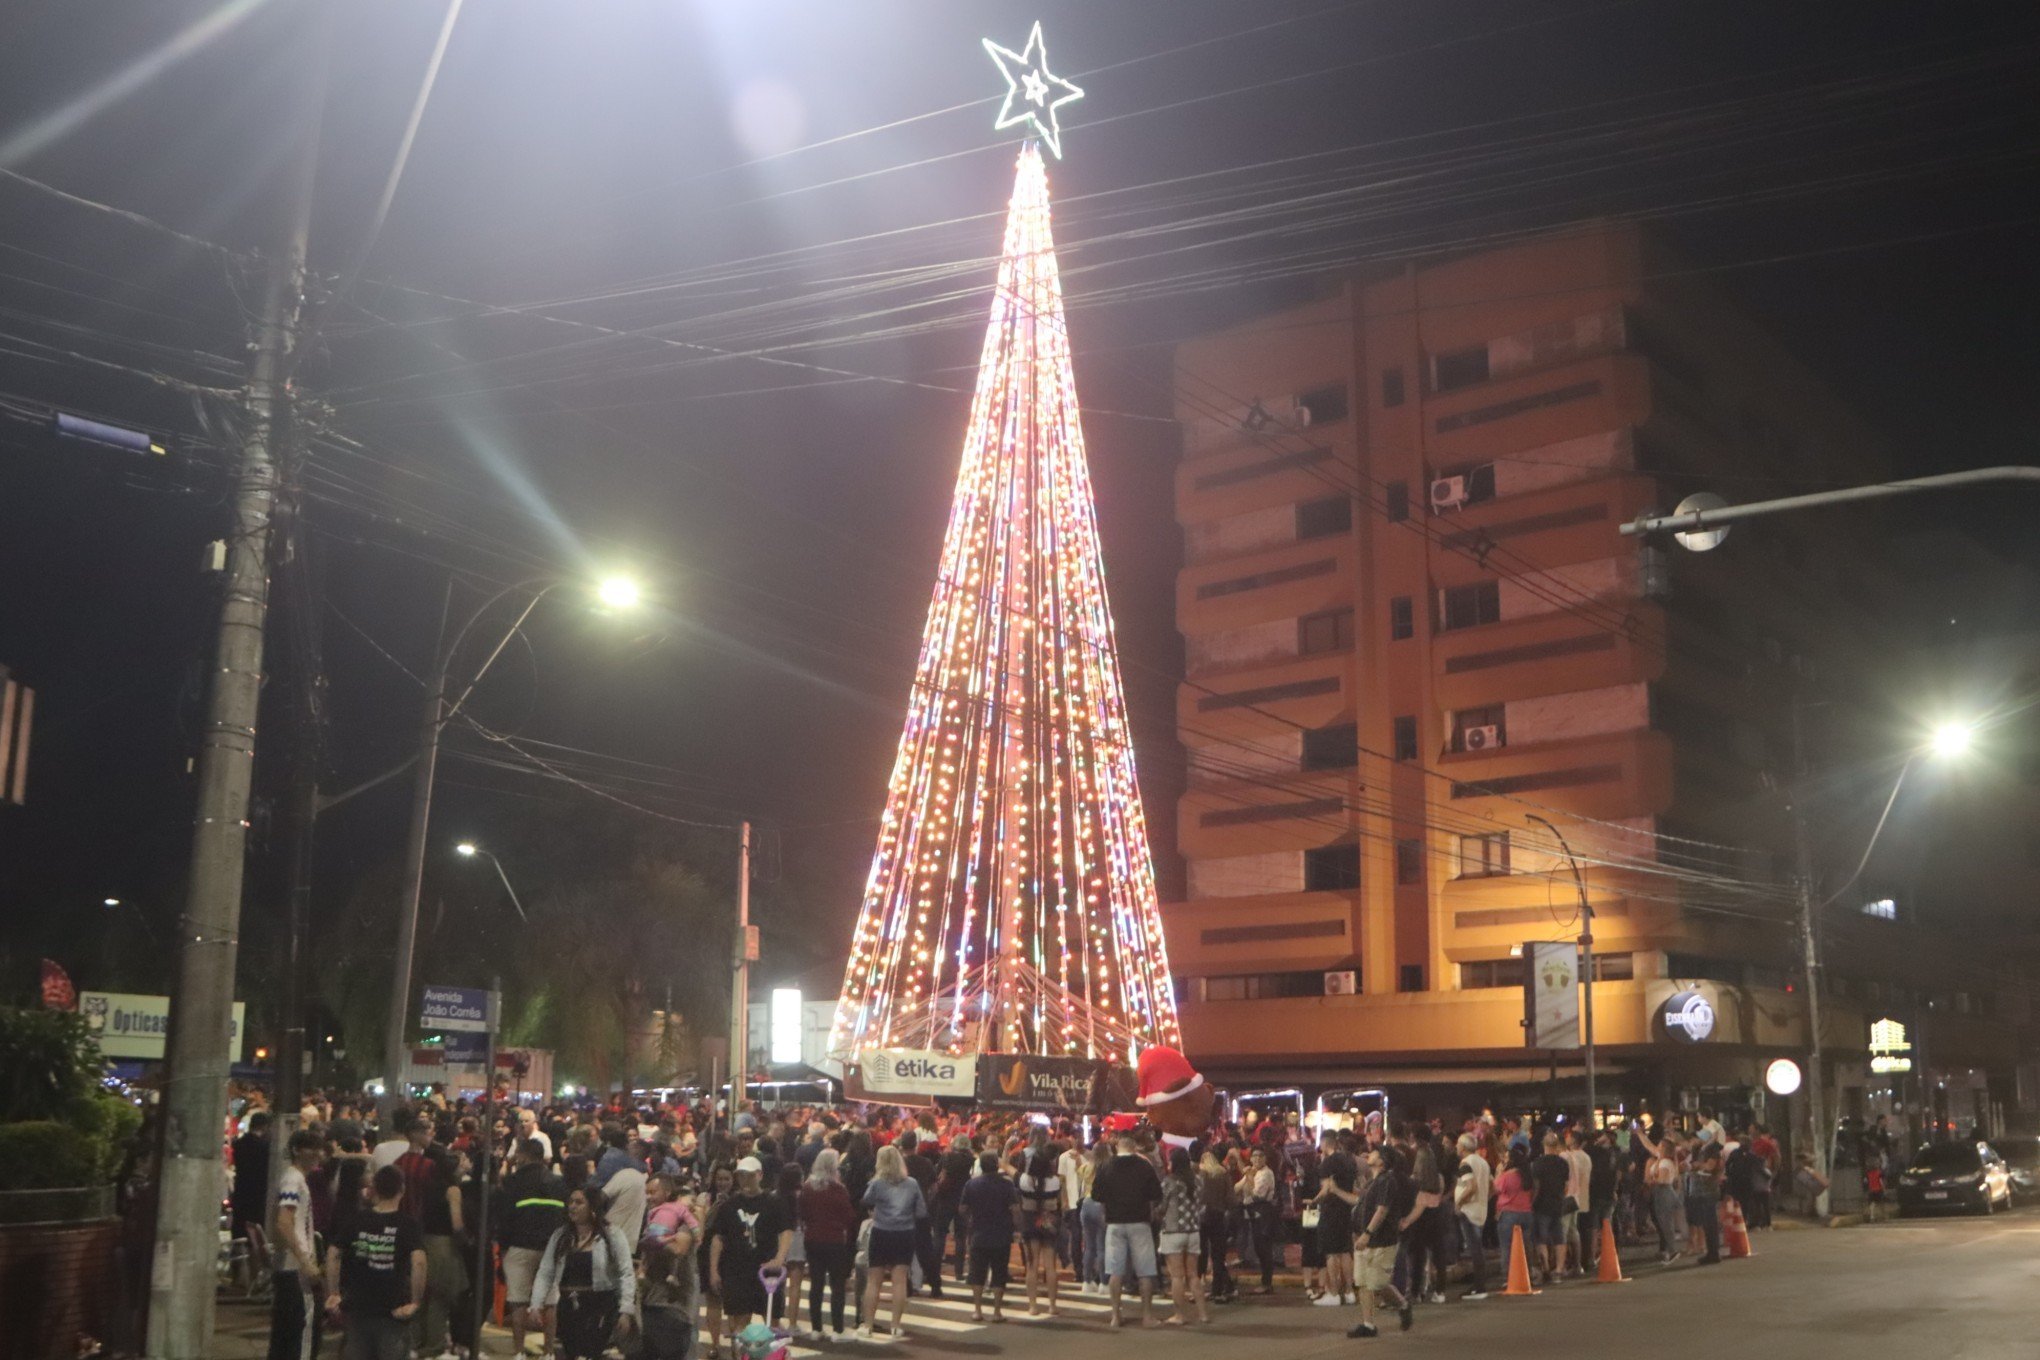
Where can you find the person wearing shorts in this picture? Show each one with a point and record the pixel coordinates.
(1129, 1189)
(748, 1232)
(988, 1200)
(1390, 1196)
(531, 1206)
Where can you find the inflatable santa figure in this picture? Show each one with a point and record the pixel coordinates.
(1177, 1099)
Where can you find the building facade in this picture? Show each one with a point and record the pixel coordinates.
(1434, 700)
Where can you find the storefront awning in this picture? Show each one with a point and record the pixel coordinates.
(1415, 1076)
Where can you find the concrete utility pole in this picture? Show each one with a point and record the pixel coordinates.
(740, 987)
(397, 1053)
(201, 1015)
(1816, 1080)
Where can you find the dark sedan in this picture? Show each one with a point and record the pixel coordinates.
(1955, 1175)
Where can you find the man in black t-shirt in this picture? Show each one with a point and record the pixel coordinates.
(1377, 1234)
(1549, 1176)
(1129, 1189)
(377, 1265)
(749, 1230)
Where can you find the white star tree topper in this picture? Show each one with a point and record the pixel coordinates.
(1033, 92)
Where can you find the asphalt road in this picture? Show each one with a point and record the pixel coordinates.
(1952, 1289)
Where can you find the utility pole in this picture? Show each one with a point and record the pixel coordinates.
(1816, 1081)
(299, 618)
(740, 989)
(1586, 943)
(195, 1097)
(397, 1053)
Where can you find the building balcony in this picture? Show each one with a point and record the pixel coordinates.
(1267, 584)
(1543, 406)
(1247, 816)
(1265, 702)
(1258, 472)
(1623, 774)
(1266, 932)
(1558, 652)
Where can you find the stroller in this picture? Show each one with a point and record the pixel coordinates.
(761, 1340)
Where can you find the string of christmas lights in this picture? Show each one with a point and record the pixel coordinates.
(1011, 904)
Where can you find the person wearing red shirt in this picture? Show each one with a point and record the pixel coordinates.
(828, 1224)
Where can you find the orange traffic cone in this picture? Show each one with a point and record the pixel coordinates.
(1735, 1229)
(1519, 1269)
(1609, 1270)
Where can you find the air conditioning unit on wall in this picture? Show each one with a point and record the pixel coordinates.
(1345, 983)
(1481, 738)
(1448, 493)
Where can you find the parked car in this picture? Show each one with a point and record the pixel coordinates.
(2021, 1152)
(1955, 1175)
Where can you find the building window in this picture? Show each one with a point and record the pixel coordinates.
(1397, 497)
(1332, 748)
(1459, 368)
(1402, 618)
(1509, 972)
(1409, 862)
(1257, 986)
(1410, 978)
(1491, 973)
(1406, 738)
(1469, 606)
(1331, 631)
(1884, 909)
(1480, 729)
(1325, 517)
(1325, 403)
(1331, 868)
(1391, 387)
(1484, 856)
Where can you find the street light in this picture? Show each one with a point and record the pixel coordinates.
(1948, 740)
(1952, 739)
(469, 850)
(616, 592)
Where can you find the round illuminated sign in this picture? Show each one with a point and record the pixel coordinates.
(1688, 1016)
(1781, 1078)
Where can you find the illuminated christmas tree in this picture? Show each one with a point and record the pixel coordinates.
(1011, 904)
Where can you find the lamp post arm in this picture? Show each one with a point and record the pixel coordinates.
(507, 888)
(547, 586)
(1694, 521)
(1875, 832)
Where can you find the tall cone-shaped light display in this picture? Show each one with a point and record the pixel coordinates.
(1011, 904)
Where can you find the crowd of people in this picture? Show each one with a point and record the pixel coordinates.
(679, 1232)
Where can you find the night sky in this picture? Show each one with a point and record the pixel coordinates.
(793, 208)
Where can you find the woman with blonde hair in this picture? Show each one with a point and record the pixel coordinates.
(896, 1205)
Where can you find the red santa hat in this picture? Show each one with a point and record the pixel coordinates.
(1164, 1075)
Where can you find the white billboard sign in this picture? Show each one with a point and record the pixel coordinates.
(1551, 994)
(919, 1072)
(130, 1025)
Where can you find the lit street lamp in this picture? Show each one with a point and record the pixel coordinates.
(469, 850)
(1948, 740)
(614, 593)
